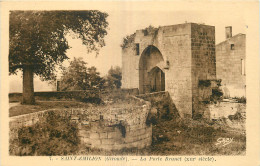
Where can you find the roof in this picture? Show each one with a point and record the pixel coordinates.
(239, 34)
(186, 23)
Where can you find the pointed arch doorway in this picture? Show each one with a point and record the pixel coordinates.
(157, 79)
(151, 76)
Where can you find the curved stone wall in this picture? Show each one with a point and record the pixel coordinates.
(125, 130)
(108, 127)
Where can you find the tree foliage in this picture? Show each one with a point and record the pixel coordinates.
(38, 38)
(94, 78)
(114, 77)
(79, 77)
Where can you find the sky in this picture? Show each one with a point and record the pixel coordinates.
(126, 22)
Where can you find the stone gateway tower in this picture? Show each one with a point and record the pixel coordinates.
(179, 59)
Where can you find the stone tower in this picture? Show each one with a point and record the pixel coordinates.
(179, 59)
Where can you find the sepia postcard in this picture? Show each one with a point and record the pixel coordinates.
(130, 83)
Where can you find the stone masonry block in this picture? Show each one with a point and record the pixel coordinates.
(96, 143)
(84, 133)
(108, 141)
(130, 139)
(132, 133)
(136, 144)
(107, 147)
(148, 141)
(128, 145)
(144, 136)
(94, 135)
(135, 127)
(119, 141)
(103, 135)
(114, 135)
(86, 140)
(118, 147)
(141, 145)
(141, 131)
(109, 129)
(149, 129)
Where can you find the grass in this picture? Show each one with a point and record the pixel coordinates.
(44, 105)
(186, 137)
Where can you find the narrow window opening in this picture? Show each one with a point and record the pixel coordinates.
(137, 48)
(145, 32)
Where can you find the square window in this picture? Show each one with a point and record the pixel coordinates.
(232, 46)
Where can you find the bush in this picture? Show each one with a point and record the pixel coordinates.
(53, 135)
(241, 99)
(204, 83)
(217, 95)
(88, 97)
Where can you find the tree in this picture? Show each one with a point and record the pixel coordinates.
(94, 79)
(78, 77)
(38, 41)
(114, 77)
(75, 76)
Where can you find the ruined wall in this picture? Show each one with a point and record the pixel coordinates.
(226, 109)
(130, 72)
(121, 129)
(110, 127)
(230, 56)
(203, 60)
(162, 103)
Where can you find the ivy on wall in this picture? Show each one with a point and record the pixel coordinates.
(130, 38)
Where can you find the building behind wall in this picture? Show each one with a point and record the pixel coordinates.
(230, 60)
(172, 58)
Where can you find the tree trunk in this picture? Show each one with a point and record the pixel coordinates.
(28, 89)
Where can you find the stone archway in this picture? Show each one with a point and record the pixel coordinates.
(151, 76)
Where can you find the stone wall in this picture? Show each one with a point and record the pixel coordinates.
(226, 109)
(230, 67)
(177, 48)
(203, 61)
(111, 127)
(162, 105)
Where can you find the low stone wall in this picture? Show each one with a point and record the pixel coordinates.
(55, 95)
(60, 95)
(226, 109)
(111, 127)
(148, 96)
